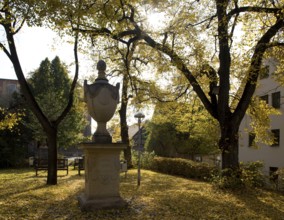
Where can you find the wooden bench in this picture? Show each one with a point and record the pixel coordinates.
(81, 165)
(42, 164)
(76, 163)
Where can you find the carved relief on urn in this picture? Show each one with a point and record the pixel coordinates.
(102, 99)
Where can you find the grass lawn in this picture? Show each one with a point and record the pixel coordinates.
(25, 196)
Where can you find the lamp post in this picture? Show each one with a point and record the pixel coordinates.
(139, 115)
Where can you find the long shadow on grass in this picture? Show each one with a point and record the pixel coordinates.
(68, 208)
(13, 171)
(159, 197)
(59, 210)
(252, 200)
(162, 196)
(28, 182)
(21, 189)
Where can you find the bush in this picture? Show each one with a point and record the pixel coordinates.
(252, 175)
(146, 159)
(280, 182)
(182, 167)
(227, 179)
(247, 176)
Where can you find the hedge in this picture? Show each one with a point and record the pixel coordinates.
(182, 167)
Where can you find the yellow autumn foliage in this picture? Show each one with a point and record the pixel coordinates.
(160, 196)
(260, 113)
(8, 120)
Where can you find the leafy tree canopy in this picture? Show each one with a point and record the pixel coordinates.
(200, 38)
(50, 85)
(182, 128)
(14, 135)
(260, 113)
(13, 15)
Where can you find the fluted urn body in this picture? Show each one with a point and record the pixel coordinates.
(102, 99)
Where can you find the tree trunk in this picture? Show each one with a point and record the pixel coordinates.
(123, 122)
(230, 157)
(229, 146)
(52, 157)
(50, 129)
(124, 135)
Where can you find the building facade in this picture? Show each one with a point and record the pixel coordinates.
(272, 156)
(7, 88)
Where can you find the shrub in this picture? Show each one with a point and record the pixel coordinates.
(227, 179)
(252, 175)
(146, 159)
(280, 182)
(182, 167)
(248, 175)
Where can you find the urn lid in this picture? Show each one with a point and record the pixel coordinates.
(101, 67)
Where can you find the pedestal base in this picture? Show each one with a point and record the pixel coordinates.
(101, 203)
(102, 168)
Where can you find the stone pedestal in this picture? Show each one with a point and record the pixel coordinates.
(102, 170)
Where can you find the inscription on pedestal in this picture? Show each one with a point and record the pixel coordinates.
(106, 171)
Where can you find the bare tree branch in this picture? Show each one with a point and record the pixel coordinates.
(239, 10)
(233, 29)
(73, 85)
(75, 79)
(5, 51)
(274, 44)
(203, 21)
(20, 27)
(254, 68)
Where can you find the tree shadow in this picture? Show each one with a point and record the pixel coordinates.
(255, 200)
(159, 197)
(28, 181)
(187, 200)
(21, 189)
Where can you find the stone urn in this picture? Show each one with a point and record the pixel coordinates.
(102, 157)
(102, 99)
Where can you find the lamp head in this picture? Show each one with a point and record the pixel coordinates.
(139, 115)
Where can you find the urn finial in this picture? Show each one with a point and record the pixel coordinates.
(101, 67)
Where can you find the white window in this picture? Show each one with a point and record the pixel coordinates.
(276, 100)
